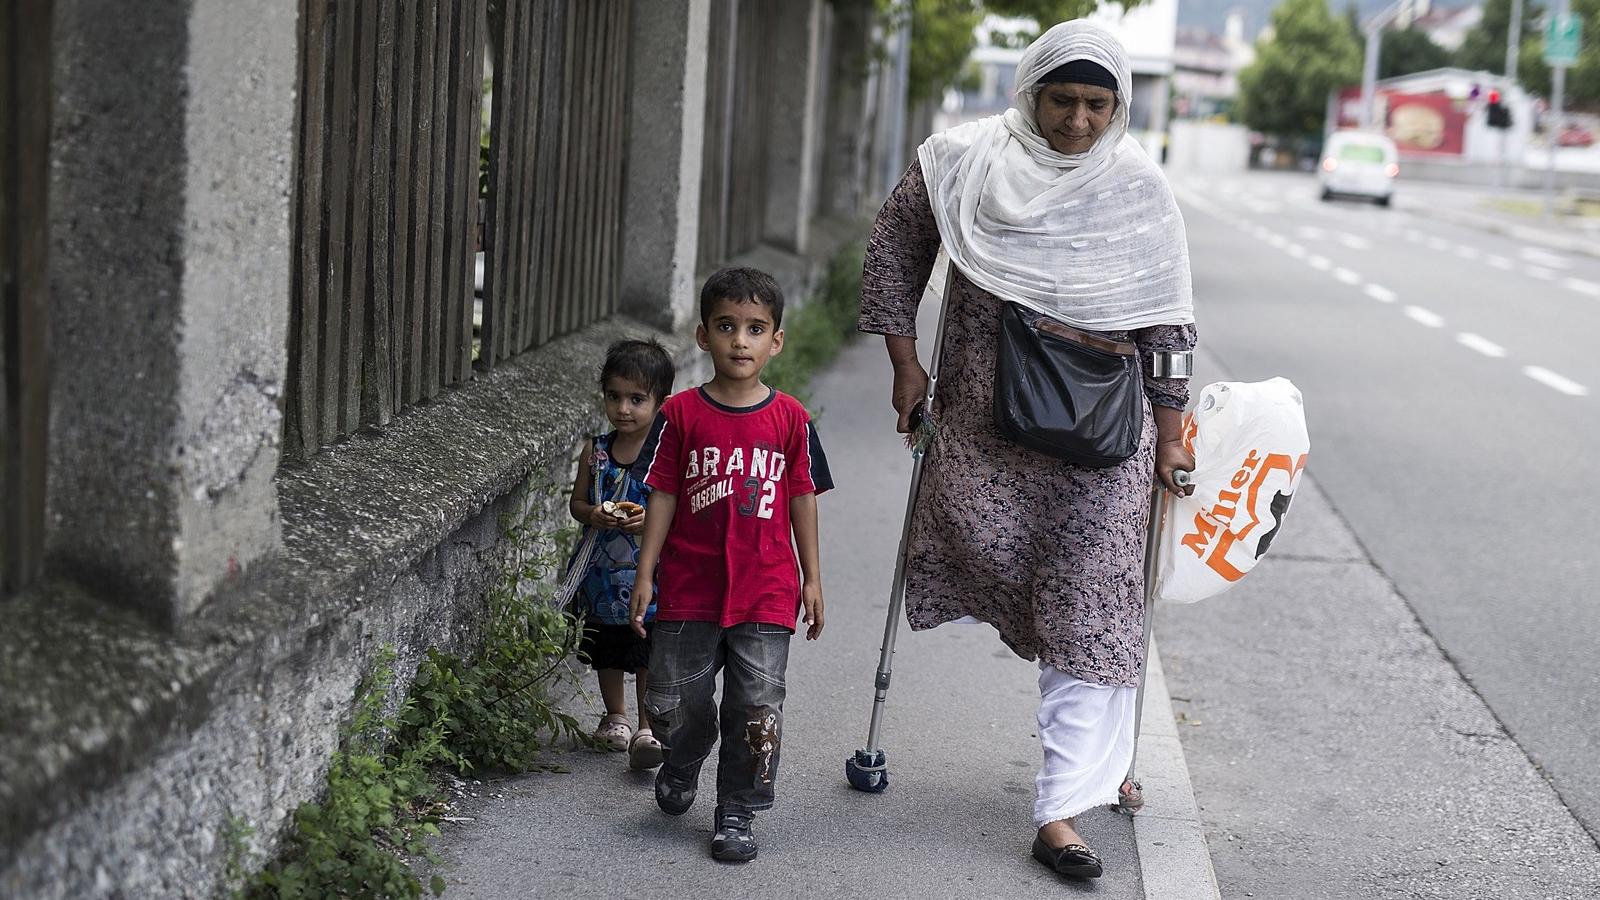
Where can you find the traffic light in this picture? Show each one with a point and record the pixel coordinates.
(1499, 113)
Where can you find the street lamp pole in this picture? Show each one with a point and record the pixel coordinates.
(1369, 65)
(1558, 77)
(1513, 41)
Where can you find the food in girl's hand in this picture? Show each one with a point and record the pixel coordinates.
(621, 509)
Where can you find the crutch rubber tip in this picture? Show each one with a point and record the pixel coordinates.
(867, 772)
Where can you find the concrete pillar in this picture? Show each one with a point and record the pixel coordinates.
(170, 242)
(666, 132)
(848, 130)
(793, 129)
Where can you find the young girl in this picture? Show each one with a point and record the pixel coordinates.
(636, 378)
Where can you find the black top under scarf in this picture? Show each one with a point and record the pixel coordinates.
(1080, 71)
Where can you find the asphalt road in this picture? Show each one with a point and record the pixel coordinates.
(1451, 384)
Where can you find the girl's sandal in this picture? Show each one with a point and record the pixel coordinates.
(1130, 797)
(644, 752)
(613, 732)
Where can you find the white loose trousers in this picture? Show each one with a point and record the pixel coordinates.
(1086, 731)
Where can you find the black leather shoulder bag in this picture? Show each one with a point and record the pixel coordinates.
(1065, 393)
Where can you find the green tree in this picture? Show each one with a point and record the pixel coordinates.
(1583, 80)
(1484, 47)
(1285, 91)
(1408, 51)
(943, 33)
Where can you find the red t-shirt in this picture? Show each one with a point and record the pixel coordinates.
(729, 556)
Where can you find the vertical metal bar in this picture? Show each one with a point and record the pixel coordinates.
(25, 286)
(729, 127)
(500, 212)
(455, 234)
(538, 37)
(306, 341)
(472, 95)
(360, 241)
(581, 294)
(377, 397)
(403, 191)
(423, 162)
(433, 299)
(336, 264)
(546, 188)
(559, 299)
(619, 145)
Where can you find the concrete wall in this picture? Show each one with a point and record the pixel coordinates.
(1207, 147)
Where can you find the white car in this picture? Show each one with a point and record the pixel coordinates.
(1359, 164)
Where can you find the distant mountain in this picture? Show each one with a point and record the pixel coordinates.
(1213, 14)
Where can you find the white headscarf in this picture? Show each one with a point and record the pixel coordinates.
(1094, 239)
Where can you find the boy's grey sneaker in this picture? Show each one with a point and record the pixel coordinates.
(733, 841)
(674, 794)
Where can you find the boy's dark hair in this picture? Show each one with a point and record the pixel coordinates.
(742, 284)
(646, 362)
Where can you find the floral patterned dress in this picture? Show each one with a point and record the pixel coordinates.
(1051, 554)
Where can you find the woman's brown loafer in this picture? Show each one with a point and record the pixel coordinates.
(1073, 860)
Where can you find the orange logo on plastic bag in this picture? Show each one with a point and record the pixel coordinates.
(1214, 524)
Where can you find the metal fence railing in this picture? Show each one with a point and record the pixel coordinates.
(385, 216)
(556, 148)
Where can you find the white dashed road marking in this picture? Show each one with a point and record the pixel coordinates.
(1346, 276)
(1583, 287)
(1540, 273)
(1297, 251)
(1424, 317)
(1320, 263)
(1500, 262)
(1354, 242)
(1544, 258)
(1380, 293)
(1466, 252)
(1481, 344)
(1550, 379)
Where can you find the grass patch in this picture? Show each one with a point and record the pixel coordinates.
(494, 710)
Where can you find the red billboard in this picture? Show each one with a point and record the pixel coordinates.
(1419, 124)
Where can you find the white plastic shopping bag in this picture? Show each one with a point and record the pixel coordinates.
(1250, 444)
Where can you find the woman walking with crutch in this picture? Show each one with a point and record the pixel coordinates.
(1070, 277)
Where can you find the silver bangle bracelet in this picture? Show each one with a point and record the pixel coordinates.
(1172, 364)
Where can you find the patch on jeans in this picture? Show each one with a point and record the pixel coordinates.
(761, 734)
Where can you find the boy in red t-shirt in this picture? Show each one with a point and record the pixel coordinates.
(735, 467)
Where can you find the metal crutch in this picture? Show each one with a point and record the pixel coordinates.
(1130, 794)
(868, 769)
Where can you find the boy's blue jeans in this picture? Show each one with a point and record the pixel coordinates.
(684, 660)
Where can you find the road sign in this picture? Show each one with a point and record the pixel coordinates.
(1563, 33)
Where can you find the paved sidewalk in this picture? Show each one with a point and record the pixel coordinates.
(1495, 211)
(960, 734)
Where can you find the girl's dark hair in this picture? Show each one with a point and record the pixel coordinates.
(742, 284)
(646, 362)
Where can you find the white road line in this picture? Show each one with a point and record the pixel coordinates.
(1346, 276)
(1310, 232)
(1550, 379)
(1539, 273)
(1354, 242)
(1466, 252)
(1481, 344)
(1297, 251)
(1380, 293)
(1320, 263)
(1424, 317)
(1277, 240)
(1438, 243)
(1544, 258)
(1500, 262)
(1413, 235)
(1583, 287)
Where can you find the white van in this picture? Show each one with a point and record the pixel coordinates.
(1359, 164)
